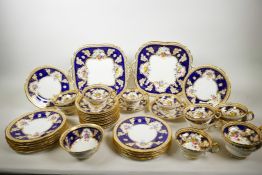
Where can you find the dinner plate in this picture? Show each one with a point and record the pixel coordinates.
(35, 126)
(207, 84)
(100, 64)
(44, 83)
(161, 67)
(156, 134)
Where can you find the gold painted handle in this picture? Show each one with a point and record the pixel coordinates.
(250, 116)
(215, 147)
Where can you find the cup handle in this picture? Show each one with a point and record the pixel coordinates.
(218, 114)
(214, 148)
(250, 116)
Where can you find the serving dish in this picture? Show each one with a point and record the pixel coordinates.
(43, 84)
(100, 64)
(82, 141)
(206, 84)
(172, 59)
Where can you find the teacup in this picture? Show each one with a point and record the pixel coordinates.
(65, 101)
(195, 143)
(98, 94)
(82, 141)
(235, 112)
(132, 97)
(201, 116)
(241, 138)
(167, 102)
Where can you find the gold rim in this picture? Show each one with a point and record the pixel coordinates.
(7, 130)
(63, 93)
(124, 57)
(32, 73)
(248, 125)
(163, 44)
(89, 125)
(222, 72)
(140, 150)
(198, 131)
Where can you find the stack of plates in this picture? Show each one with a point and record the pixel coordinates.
(142, 137)
(35, 131)
(104, 114)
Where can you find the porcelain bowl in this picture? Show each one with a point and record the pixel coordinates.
(82, 141)
(195, 143)
(98, 94)
(65, 101)
(241, 138)
(132, 96)
(201, 116)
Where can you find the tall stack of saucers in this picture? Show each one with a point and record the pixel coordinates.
(98, 104)
(35, 131)
(142, 137)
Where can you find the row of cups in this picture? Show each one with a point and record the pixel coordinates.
(200, 116)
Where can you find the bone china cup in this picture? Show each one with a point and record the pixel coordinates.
(201, 116)
(82, 141)
(241, 138)
(235, 112)
(195, 143)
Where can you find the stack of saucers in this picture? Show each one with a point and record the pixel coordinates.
(142, 137)
(98, 105)
(35, 131)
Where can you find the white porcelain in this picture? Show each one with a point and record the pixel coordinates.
(206, 84)
(195, 143)
(201, 116)
(100, 64)
(44, 83)
(234, 112)
(133, 100)
(241, 138)
(167, 106)
(82, 141)
(172, 59)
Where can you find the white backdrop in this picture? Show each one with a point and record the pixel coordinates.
(225, 33)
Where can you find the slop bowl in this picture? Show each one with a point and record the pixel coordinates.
(82, 141)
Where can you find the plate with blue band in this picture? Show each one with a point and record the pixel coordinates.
(207, 84)
(43, 84)
(156, 134)
(100, 64)
(161, 67)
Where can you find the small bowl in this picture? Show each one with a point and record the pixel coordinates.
(235, 112)
(97, 94)
(82, 141)
(195, 142)
(241, 138)
(201, 116)
(166, 102)
(65, 101)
